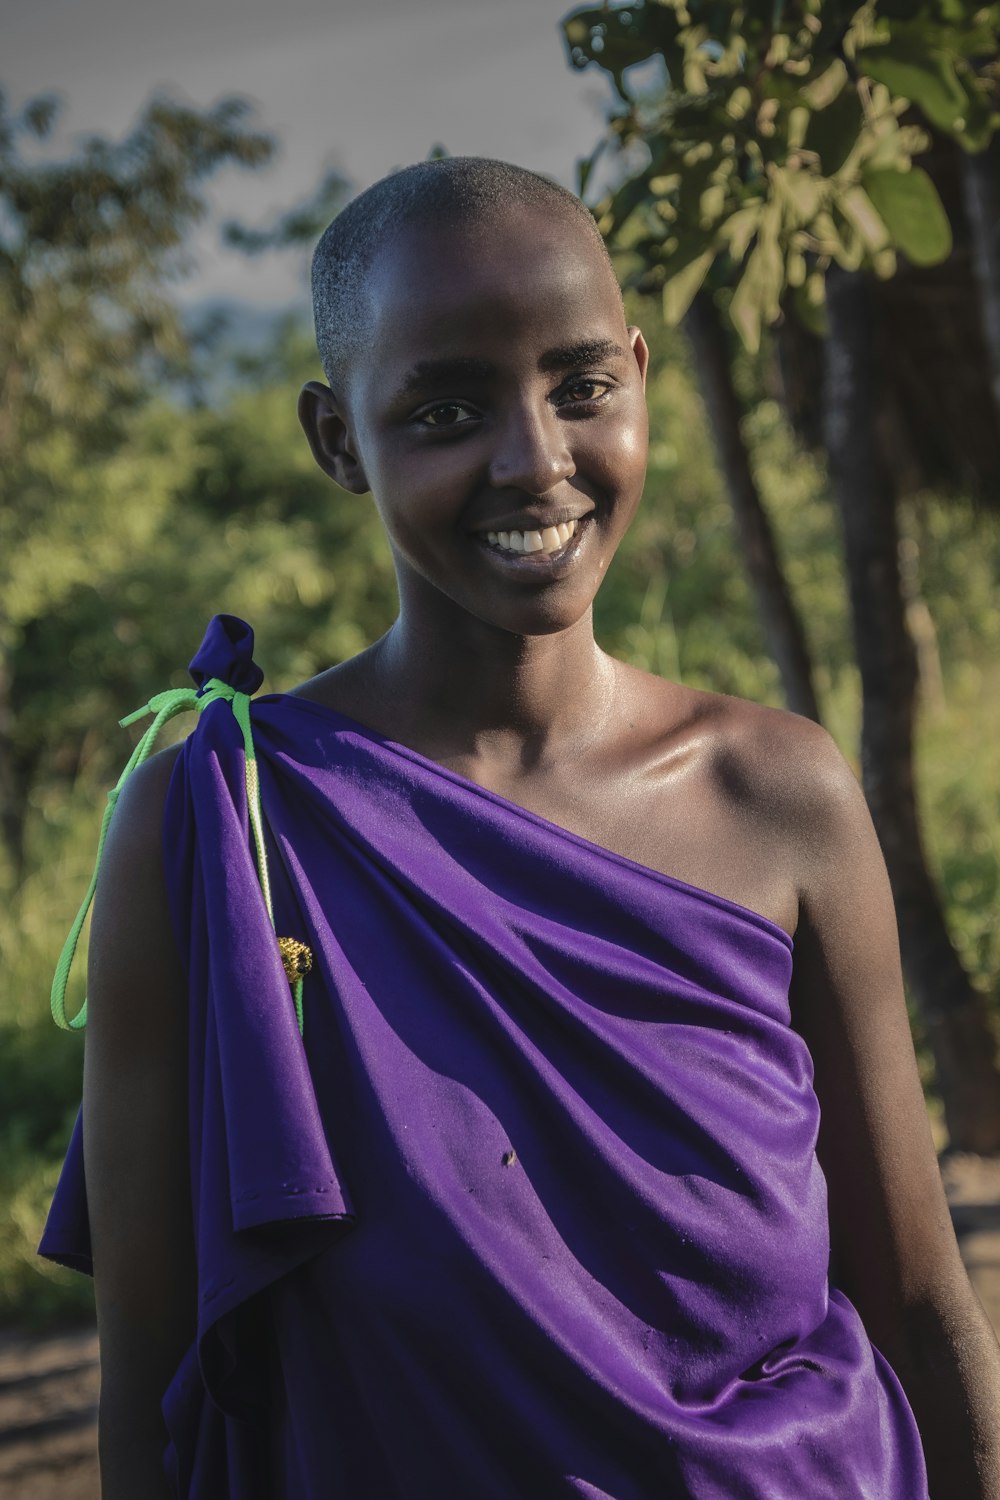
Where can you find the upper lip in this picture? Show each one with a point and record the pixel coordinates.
(529, 522)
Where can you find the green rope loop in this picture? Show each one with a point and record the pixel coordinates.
(163, 707)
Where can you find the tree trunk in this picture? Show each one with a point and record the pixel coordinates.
(981, 190)
(952, 1010)
(783, 630)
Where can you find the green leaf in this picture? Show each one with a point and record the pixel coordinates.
(911, 68)
(832, 132)
(849, 248)
(740, 228)
(858, 209)
(617, 39)
(631, 195)
(757, 298)
(914, 215)
(809, 301)
(800, 193)
(683, 285)
(711, 204)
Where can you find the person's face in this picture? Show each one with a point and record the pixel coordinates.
(498, 394)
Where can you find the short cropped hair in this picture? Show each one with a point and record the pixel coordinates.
(451, 190)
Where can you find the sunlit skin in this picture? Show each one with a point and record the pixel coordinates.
(492, 670)
(492, 667)
(552, 426)
(487, 400)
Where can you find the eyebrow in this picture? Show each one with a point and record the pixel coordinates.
(436, 372)
(581, 354)
(430, 372)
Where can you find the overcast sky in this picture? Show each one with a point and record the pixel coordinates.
(366, 86)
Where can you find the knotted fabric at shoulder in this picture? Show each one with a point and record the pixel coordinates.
(223, 670)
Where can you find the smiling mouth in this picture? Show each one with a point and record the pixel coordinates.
(547, 541)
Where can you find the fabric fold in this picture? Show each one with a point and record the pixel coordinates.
(265, 1190)
(533, 1207)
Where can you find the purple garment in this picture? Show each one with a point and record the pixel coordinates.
(533, 1209)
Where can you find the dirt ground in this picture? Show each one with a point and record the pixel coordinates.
(48, 1409)
(48, 1386)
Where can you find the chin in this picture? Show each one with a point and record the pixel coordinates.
(539, 621)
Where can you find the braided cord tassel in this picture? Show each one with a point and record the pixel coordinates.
(163, 707)
(241, 712)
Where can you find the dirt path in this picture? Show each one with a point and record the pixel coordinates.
(48, 1386)
(48, 1407)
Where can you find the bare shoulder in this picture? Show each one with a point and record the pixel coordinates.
(133, 965)
(137, 994)
(781, 765)
(134, 847)
(774, 767)
(743, 800)
(135, 1127)
(797, 784)
(138, 816)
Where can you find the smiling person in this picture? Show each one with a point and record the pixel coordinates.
(489, 1041)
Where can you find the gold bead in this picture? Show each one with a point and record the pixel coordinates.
(296, 957)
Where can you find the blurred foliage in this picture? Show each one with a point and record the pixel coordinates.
(89, 244)
(199, 508)
(779, 139)
(299, 225)
(88, 247)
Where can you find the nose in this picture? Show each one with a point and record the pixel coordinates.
(531, 452)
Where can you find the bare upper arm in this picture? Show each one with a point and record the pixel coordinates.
(893, 1242)
(135, 1132)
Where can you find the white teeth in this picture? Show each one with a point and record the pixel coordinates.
(548, 540)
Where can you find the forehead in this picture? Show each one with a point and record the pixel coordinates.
(525, 280)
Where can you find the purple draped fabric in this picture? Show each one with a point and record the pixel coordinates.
(533, 1208)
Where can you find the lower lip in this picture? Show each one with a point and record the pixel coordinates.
(533, 564)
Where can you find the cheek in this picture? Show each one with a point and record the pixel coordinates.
(621, 453)
(420, 505)
(634, 446)
(635, 433)
(411, 487)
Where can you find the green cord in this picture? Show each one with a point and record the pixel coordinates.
(164, 706)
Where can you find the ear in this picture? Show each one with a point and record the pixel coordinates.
(330, 438)
(641, 351)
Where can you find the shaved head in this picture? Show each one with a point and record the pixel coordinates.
(454, 191)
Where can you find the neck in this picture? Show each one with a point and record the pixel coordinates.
(486, 693)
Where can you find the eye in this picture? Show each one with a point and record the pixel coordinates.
(445, 414)
(585, 390)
